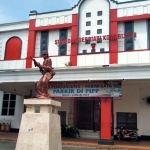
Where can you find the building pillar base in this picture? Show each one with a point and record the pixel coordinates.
(105, 142)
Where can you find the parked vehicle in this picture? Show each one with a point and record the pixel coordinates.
(127, 134)
(69, 131)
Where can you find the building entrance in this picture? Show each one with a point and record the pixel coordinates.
(88, 114)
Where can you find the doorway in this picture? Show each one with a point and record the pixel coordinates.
(88, 114)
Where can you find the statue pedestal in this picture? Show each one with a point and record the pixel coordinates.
(40, 126)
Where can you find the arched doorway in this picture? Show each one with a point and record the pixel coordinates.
(13, 48)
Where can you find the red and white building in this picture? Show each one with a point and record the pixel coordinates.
(93, 46)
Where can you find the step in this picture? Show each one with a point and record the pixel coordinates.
(89, 134)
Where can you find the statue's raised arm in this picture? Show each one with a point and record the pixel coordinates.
(35, 64)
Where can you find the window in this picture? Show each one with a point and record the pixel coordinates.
(99, 13)
(99, 22)
(9, 103)
(62, 117)
(87, 42)
(129, 42)
(88, 23)
(99, 41)
(44, 41)
(13, 48)
(99, 31)
(88, 14)
(148, 32)
(84, 51)
(127, 120)
(102, 50)
(63, 47)
(88, 32)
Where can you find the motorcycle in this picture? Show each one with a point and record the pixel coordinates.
(127, 134)
(69, 131)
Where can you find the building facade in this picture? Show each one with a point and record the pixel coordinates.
(100, 50)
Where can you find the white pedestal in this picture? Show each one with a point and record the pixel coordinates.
(40, 126)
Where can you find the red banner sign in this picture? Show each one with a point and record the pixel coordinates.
(96, 38)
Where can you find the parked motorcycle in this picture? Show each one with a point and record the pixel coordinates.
(69, 131)
(127, 134)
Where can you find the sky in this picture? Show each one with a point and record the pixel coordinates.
(18, 10)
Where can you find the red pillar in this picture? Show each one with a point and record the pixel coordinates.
(31, 43)
(113, 43)
(74, 35)
(106, 121)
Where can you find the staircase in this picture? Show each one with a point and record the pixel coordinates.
(89, 134)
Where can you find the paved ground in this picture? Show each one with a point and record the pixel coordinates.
(78, 143)
(4, 145)
(7, 145)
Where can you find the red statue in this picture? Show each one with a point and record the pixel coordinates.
(48, 73)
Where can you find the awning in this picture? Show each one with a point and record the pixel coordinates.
(22, 81)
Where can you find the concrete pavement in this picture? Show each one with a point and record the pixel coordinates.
(7, 145)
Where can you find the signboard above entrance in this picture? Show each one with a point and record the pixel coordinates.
(96, 38)
(96, 89)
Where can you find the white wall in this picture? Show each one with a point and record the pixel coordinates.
(121, 41)
(144, 110)
(135, 8)
(53, 18)
(14, 26)
(132, 96)
(19, 108)
(13, 64)
(94, 6)
(134, 57)
(5, 36)
(37, 44)
(66, 105)
(52, 47)
(140, 42)
(69, 44)
(56, 61)
(93, 59)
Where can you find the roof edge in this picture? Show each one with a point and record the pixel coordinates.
(34, 12)
(12, 23)
(116, 1)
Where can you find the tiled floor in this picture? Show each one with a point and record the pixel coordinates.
(122, 145)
